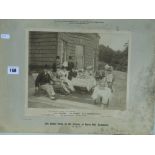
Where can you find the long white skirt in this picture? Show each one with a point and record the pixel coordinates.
(103, 93)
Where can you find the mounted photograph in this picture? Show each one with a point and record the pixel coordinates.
(76, 70)
(69, 76)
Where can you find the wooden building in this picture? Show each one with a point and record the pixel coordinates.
(45, 46)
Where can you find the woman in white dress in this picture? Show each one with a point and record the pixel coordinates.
(64, 77)
(101, 92)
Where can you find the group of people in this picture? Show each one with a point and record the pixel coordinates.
(63, 74)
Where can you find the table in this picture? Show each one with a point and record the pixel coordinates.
(87, 83)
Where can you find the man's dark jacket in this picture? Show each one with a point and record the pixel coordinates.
(42, 79)
(70, 66)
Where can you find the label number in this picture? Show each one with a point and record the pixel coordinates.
(13, 70)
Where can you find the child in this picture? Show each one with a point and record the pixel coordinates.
(101, 92)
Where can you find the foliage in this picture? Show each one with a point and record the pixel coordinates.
(118, 59)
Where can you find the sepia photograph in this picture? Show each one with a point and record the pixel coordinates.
(77, 76)
(76, 70)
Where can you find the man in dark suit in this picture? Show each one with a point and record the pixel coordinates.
(45, 82)
(56, 64)
(70, 64)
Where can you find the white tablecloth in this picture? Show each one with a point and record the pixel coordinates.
(87, 83)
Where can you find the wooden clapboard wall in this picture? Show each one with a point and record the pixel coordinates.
(89, 41)
(42, 48)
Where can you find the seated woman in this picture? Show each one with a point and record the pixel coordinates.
(80, 74)
(57, 85)
(102, 93)
(66, 83)
(89, 71)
